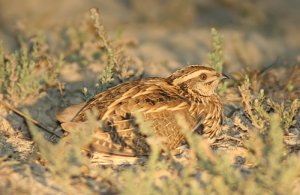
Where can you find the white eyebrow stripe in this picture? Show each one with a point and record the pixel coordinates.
(189, 76)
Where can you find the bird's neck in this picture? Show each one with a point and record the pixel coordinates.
(207, 109)
(196, 98)
(200, 104)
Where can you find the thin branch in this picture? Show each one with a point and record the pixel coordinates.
(10, 107)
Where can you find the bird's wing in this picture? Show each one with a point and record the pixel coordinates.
(155, 100)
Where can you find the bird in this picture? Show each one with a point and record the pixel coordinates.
(189, 92)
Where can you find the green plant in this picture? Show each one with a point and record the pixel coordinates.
(115, 59)
(67, 159)
(258, 108)
(107, 76)
(27, 71)
(215, 57)
(267, 169)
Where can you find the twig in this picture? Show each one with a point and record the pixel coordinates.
(10, 107)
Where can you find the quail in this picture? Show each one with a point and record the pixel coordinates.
(189, 92)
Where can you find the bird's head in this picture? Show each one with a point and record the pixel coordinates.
(197, 79)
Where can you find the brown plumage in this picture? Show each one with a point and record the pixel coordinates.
(189, 92)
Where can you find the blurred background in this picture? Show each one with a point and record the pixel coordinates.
(256, 33)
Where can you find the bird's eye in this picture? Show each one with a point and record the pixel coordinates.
(203, 76)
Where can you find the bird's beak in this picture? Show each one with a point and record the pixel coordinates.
(224, 76)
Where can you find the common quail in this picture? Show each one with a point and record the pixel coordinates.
(189, 92)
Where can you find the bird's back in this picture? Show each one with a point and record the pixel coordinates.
(155, 99)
